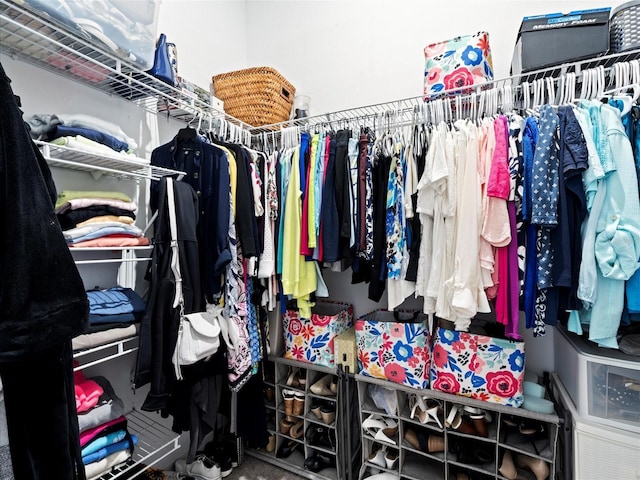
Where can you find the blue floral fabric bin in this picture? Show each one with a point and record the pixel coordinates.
(456, 63)
(312, 339)
(478, 366)
(394, 349)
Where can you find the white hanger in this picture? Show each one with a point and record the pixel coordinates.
(585, 88)
(571, 88)
(551, 90)
(538, 92)
(635, 71)
(472, 107)
(601, 81)
(481, 104)
(526, 99)
(493, 101)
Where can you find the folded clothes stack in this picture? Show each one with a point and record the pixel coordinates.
(116, 305)
(82, 132)
(98, 219)
(104, 437)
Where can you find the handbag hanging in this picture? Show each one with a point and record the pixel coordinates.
(198, 332)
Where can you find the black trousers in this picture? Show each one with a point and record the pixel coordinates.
(41, 416)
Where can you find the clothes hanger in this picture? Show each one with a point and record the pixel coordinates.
(589, 81)
(569, 97)
(627, 100)
(551, 91)
(187, 132)
(635, 71)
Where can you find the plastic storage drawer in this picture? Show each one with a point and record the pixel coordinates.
(603, 384)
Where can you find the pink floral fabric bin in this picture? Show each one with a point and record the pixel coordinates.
(393, 349)
(456, 63)
(312, 339)
(477, 366)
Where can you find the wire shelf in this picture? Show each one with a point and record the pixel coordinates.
(118, 165)
(47, 43)
(155, 442)
(104, 353)
(404, 109)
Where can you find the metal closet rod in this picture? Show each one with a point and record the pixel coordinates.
(406, 106)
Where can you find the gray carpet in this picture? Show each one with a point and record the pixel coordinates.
(253, 469)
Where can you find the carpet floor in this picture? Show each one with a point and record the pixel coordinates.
(252, 468)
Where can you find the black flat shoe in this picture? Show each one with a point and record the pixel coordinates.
(319, 436)
(319, 461)
(286, 448)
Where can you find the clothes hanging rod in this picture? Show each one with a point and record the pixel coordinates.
(408, 104)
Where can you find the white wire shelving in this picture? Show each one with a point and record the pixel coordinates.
(117, 164)
(402, 111)
(33, 37)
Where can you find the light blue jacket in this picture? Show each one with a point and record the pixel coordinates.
(617, 242)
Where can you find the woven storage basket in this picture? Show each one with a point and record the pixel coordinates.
(257, 96)
(624, 27)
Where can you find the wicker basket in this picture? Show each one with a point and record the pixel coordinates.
(257, 96)
(624, 27)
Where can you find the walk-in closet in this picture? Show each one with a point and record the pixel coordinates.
(319, 239)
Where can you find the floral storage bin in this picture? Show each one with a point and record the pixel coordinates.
(478, 366)
(395, 349)
(312, 339)
(456, 63)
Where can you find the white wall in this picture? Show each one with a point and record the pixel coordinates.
(351, 53)
(210, 36)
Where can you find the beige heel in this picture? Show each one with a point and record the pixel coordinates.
(507, 467)
(538, 466)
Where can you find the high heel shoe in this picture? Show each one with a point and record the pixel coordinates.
(381, 429)
(328, 414)
(293, 378)
(316, 409)
(434, 407)
(418, 409)
(456, 421)
(478, 418)
(507, 467)
(322, 386)
(391, 459)
(378, 457)
(538, 466)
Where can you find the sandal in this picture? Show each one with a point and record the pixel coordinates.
(417, 407)
(381, 428)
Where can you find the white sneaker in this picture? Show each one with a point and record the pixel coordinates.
(203, 468)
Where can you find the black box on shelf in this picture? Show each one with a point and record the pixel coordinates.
(556, 38)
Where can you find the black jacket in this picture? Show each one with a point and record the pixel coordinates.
(42, 297)
(159, 328)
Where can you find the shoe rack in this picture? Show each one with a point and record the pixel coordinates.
(303, 419)
(447, 437)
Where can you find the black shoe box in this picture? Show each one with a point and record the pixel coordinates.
(547, 40)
